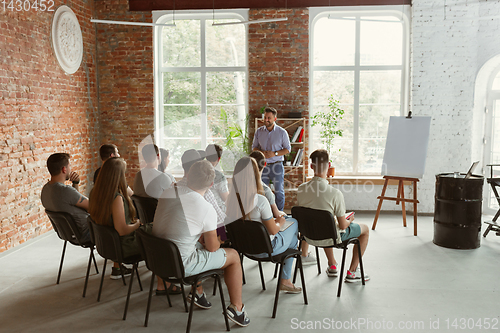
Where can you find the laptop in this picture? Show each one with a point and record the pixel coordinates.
(472, 167)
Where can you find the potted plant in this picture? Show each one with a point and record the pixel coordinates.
(263, 111)
(290, 157)
(328, 121)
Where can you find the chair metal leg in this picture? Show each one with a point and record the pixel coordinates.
(184, 297)
(276, 297)
(138, 277)
(224, 310)
(93, 258)
(318, 260)
(123, 273)
(487, 230)
(102, 280)
(215, 288)
(168, 294)
(295, 272)
(361, 264)
(275, 271)
(134, 269)
(61, 264)
(342, 270)
(88, 272)
(262, 276)
(304, 292)
(242, 269)
(149, 299)
(190, 316)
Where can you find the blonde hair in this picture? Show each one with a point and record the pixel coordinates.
(201, 175)
(111, 179)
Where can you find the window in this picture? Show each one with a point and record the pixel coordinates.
(200, 80)
(361, 58)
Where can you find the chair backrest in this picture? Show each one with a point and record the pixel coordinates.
(249, 237)
(65, 226)
(315, 224)
(145, 207)
(106, 240)
(162, 256)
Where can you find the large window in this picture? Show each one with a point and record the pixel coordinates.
(360, 57)
(200, 80)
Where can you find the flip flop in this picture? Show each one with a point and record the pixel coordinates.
(171, 290)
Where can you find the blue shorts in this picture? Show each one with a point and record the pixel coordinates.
(352, 231)
(204, 260)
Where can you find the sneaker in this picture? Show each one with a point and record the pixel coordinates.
(309, 260)
(290, 290)
(355, 276)
(116, 273)
(236, 316)
(332, 271)
(200, 301)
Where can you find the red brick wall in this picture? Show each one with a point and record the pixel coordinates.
(42, 110)
(279, 67)
(125, 55)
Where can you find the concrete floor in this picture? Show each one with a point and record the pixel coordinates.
(415, 286)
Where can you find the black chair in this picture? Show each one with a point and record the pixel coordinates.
(164, 260)
(145, 207)
(251, 238)
(67, 230)
(494, 184)
(107, 243)
(317, 224)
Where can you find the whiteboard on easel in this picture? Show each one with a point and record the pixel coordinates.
(406, 147)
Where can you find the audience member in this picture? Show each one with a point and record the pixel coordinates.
(220, 190)
(58, 197)
(110, 205)
(318, 194)
(149, 182)
(184, 217)
(164, 162)
(105, 152)
(246, 180)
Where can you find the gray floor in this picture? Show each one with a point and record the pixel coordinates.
(415, 286)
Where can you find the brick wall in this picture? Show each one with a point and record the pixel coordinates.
(279, 65)
(125, 55)
(42, 110)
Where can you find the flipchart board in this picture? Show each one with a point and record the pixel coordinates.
(406, 147)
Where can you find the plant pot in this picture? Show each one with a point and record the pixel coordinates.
(288, 163)
(331, 172)
(263, 116)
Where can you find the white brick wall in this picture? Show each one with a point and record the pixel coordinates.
(449, 47)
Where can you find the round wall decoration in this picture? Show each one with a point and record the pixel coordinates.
(67, 40)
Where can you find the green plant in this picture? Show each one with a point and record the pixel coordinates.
(262, 109)
(328, 122)
(236, 136)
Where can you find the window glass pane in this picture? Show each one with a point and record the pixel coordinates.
(334, 42)
(226, 88)
(177, 147)
(181, 44)
(182, 121)
(381, 42)
(181, 88)
(380, 87)
(496, 82)
(225, 44)
(340, 84)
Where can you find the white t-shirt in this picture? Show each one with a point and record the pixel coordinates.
(269, 194)
(261, 212)
(183, 219)
(150, 182)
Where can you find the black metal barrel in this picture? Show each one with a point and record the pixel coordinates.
(457, 213)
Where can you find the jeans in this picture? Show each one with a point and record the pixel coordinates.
(283, 241)
(276, 173)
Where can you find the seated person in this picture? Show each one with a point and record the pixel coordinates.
(149, 182)
(318, 194)
(58, 197)
(105, 152)
(164, 162)
(110, 205)
(184, 217)
(213, 154)
(256, 208)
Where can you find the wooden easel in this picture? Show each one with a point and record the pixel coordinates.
(400, 197)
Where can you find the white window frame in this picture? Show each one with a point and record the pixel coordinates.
(402, 12)
(163, 17)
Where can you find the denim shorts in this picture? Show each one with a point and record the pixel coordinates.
(352, 231)
(203, 260)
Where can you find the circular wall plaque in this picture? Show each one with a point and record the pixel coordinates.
(67, 39)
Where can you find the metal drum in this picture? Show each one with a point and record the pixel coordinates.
(457, 213)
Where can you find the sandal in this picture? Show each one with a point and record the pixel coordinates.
(172, 290)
